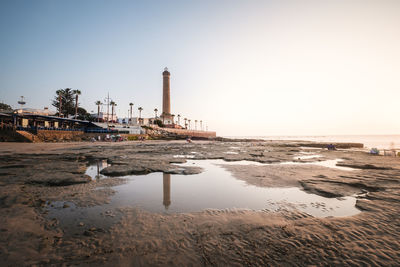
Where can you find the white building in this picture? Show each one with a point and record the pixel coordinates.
(44, 112)
(103, 116)
(136, 121)
(131, 129)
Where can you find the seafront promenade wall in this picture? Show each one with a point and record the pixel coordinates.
(73, 136)
(54, 135)
(60, 136)
(184, 132)
(12, 136)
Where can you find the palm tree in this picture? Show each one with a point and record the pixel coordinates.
(173, 118)
(112, 104)
(185, 119)
(98, 103)
(131, 105)
(195, 124)
(140, 113)
(179, 119)
(115, 114)
(155, 113)
(189, 123)
(77, 93)
(201, 125)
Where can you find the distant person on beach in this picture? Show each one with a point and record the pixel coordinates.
(189, 140)
(331, 147)
(374, 151)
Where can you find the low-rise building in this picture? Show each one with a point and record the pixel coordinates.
(102, 117)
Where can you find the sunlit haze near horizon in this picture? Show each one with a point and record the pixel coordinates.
(243, 67)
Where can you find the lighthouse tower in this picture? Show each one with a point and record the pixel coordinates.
(166, 112)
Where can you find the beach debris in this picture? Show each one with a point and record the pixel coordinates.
(390, 152)
(109, 213)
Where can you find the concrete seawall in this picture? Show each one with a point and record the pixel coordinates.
(57, 135)
(54, 135)
(184, 132)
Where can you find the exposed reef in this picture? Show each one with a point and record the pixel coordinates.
(37, 179)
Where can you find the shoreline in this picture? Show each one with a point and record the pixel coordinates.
(380, 141)
(24, 147)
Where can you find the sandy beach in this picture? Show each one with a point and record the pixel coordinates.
(44, 184)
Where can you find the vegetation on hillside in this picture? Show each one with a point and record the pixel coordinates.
(5, 107)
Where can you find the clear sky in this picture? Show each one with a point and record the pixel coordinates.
(243, 67)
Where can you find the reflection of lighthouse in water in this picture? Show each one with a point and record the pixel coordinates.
(166, 190)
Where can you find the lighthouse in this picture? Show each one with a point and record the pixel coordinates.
(166, 112)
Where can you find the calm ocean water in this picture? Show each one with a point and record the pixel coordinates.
(369, 141)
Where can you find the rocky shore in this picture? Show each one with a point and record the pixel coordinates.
(38, 179)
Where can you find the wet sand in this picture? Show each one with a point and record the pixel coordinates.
(36, 178)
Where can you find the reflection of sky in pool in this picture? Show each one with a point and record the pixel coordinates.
(94, 169)
(307, 156)
(216, 188)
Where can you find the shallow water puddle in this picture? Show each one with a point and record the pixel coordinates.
(330, 163)
(238, 162)
(184, 156)
(94, 169)
(307, 157)
(216, 188)
(325, 163)
(310, 148)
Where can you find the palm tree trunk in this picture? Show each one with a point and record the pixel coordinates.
(98, 113)
(131, 115)
(76, 106)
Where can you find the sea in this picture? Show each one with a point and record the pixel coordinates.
(369, 141)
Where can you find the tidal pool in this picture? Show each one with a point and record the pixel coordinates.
(94, 169)
(306, 156)
(216, 188)
(330, 163)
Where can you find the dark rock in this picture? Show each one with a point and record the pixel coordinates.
(148, 166)
(337, 145)
(88, 233)
(319, 191)
(364, 166)
(62, 179)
